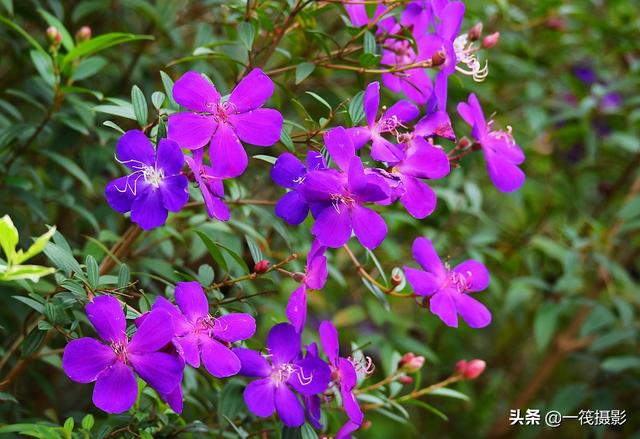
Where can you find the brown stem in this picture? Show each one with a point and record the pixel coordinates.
(365, 274)
(416, 393)
(251, 276)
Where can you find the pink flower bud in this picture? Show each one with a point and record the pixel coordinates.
(475, 32)
(474, 369)
(261, 266)
(461, 367)
(83, 34)
(410, 362)
(54, 36)
(490, 40)
(405, 379)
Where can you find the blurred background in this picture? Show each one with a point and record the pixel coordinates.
(563, 251)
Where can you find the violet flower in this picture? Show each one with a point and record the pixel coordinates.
(289, 172)
(393, 118)
(211, 187)
(436, 123)
(345, 377)
(155, 186)
(314, 278)
(287, 372)
(337, 198)
(357, 12)
(449, 290)
(111, 363)
(501, 152)
(221, 124)
(418, 15)
(200, 336)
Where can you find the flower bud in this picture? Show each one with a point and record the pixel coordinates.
(261, 266)
(366, 424)
(411, 362)
(83, 34)
(490, 40)
(461, 367)
(463, 143)
(475, 32)
(396, 279)
(405, 379)
(438, 58)
(474, 369)
(54, 36)
(298, 277)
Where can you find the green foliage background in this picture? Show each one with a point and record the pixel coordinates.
(563, 251)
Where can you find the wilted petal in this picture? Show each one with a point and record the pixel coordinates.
(106, 315)
(443, 305)
(288, 407)
(228, 157)
(85, 358)
(473, 312)
(160, 370)
(191, 130)
(475, 273)
(283, 343)
(116, 389)
(234, 327)
(135, 150)
(333, 226)
(218, 359)
(259, 127)
(252, 362)
(155, 332)
(259, 397)
(369, 227)
(252, 91)
(195, 92)
(147, 210)
(192, 300)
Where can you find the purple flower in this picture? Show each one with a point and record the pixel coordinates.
(337, 198)
(211, 187)
(221, 123)
(345, 377)
(110, 364)
(198, 335)
(314, 278)
(357, 12)
(501, 152)
(418, 15)
(287, 372)
(449, 290)
(436, 123)
(289, 172)
(155, 186)
(395, 117)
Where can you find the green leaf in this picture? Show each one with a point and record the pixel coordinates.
(303, 70)
(235, 256)
(32, 342)
(356, 109)
(157, 99)
(167, 83)
(123, 276)
(429, 408)
(87, 422)
(621, 363)
(63, 259)
(44, 66)
(93, 272)
(4, 397)
(88, 67)
(29, 272)
(449, 393)
(101, 42)
(36, 247)
(544, 324)
(266, 158)
(8, 238)
(368, 60)
(31, 303)
(369, 43)
(139, 104)
(67, 40)
(23, 33)
(254, 249)
(213, 250)
(319, 99)
(8, 5)
(113, 125)
(71, 167)
(116, 110)
(246, 33)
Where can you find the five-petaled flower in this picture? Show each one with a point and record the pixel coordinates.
(111, 364)
(449, 290)
(286, 372)
(220, 123)
(155, 186)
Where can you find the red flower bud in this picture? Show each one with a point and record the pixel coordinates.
(475, 32)
(261, 266)
(405, 379)
(410, 362)
(490, 40)
(54, 36)
(83, 34)
(461, 367)
(474, 369)
(438, 58)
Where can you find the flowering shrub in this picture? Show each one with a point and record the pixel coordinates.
(212, 199)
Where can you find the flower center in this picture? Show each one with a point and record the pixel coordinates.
(221, 112)
(120, 349)
(389, 124)
(342, 199)
(204, 325)
(462, 282)
(466, 54)
(364, 364)
(153, 175)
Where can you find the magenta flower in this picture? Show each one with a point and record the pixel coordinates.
(211, 187)
(289, 172)
(287, 372)
(392, 119)
(418, 15)
(155, 186)
(337, 198)
(437, 124)
(357, 12)
(111, 363)
(449, 290)
(344, 376)
(314, 278)
(221, 124)
(200, 336)
(501, 152)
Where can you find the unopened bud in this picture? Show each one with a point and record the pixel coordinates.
(366, 424)
(83, 34)
(474, 369)
(461, 367)
(490, 40)
(54, 36)
(411, 362)
(298, 277)
(438, 58)
(556, 23)
(405, 379)
(396, 279)
(464, 143)
(261, 266)
(475, 32)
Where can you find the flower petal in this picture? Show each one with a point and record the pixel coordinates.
(425, 160)
(147, 210)
(228, 157)
(426, 256)
(451, 20)
(190, 346)
(288, 407)
(106, 315)
(155, 332)
(261, 127)
(403, 111)
(160, 370)
(175, 399)
(252, 91)
(506, 176)
(340, 147)
(116, 389)
(368, 225)
(329, 340)
(191, 300)
(175, 192)
(311, 376)
(384, 151)
(259, 397)
(473, 312)
(320, 185)
(234, 327)
(346, 430)
(253, 363)
(85, 358)
(292, 208)
(371, 102)
(443, 305)
(191, 130)
(169, 157)
(423, 283)
(475, 273)
(437, 123)
(288, 171)
(416, 85)
(297, 308)
(218, 359)
(333, 226)
(419, 199)
(195, 92)
(119, 194)
(283, 343)
(359, 136)
(135, 150)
